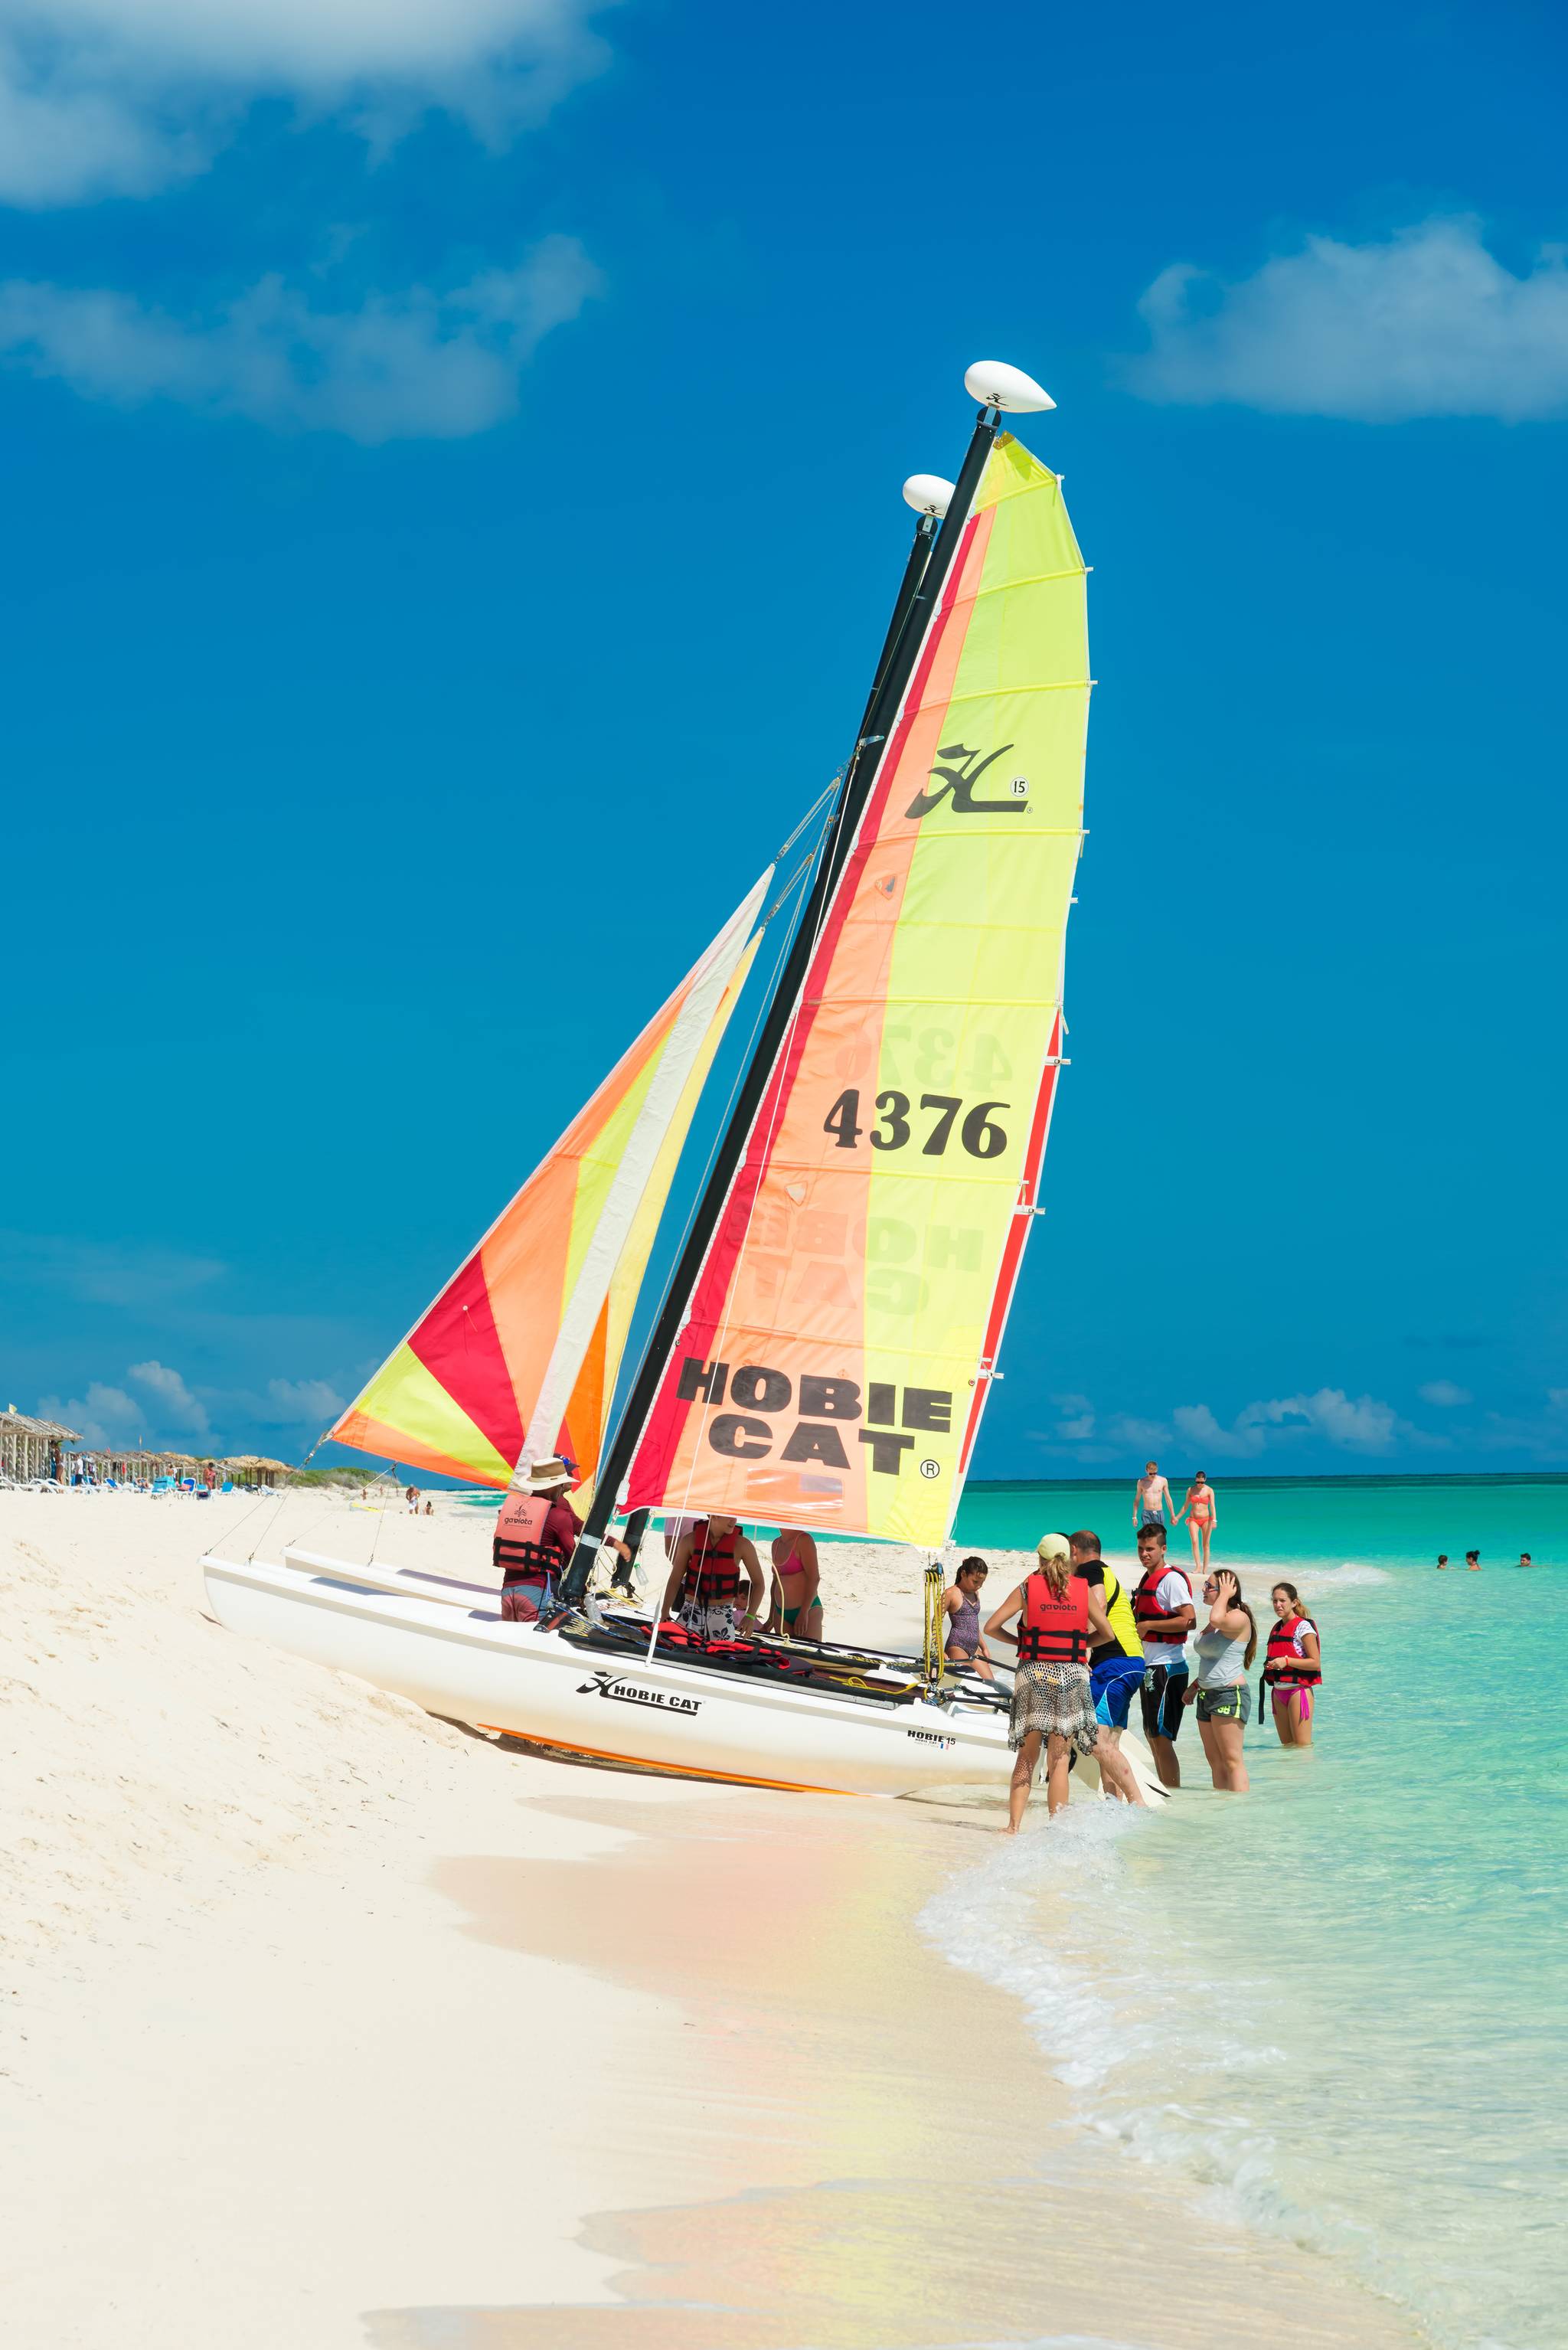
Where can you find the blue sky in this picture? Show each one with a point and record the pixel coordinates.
(450, 457)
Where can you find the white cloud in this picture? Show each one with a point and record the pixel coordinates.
(178, 1408)
(294, 1403)
(1197, 1424)
(418, 363)
(117, 96)
(1425, 322)
(1363, 1425)
(1144, 1436)
(105, 1416)
(1444, 1394)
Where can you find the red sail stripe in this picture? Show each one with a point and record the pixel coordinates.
(661, 1439)
(1017, 1238)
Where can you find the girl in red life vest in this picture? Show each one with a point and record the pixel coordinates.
(1059, 1615)
(711, 1560)
(1292, 1670)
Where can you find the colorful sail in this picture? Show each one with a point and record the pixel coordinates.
(535, 1321)
(842, 1333)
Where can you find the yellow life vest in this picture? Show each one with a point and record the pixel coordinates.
(1119, 1616)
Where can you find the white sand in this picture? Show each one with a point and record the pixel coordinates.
(327, 2020)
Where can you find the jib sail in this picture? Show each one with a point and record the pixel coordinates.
(519, 1353)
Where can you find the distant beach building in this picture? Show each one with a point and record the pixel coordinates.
(34, 1450)
(255, 1468)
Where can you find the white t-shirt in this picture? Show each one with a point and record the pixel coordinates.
(1172, 1591)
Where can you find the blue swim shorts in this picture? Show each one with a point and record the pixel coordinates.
(1111, 1686)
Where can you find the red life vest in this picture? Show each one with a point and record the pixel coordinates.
(1053, 1631)
(1147, 1608)
(712, 1576)
(519, 1547)
(1283, 1663)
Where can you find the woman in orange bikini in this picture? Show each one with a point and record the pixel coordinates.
(1202, 1517)
(797, 1610)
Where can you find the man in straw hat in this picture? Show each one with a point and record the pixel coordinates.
(535, 1536)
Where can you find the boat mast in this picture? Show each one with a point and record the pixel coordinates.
(918, 595)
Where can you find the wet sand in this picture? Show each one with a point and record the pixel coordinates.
(900, 2169)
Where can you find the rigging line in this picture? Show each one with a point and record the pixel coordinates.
(260, 1503)
(779, 1092)
(787, 893)
(283, 1492)
(758, 1015)
(776, 1111)
(827, 794)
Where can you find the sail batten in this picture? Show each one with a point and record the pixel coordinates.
(841, 1335)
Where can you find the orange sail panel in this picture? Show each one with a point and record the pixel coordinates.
(537, 1316)
(844, 1329)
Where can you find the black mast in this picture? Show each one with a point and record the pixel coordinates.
(919, 594)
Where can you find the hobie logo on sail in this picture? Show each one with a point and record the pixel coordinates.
(820, 1409)
(634, 1693)
(961, 779)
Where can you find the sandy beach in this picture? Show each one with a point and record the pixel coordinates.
(334, 2025)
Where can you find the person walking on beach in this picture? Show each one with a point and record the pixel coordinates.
(961, 1605)
(1202, 1516)
(1162, 1605)
(1116, 1663)
(1150, 1496)
(1225, 1648)
(535, 1536)
(703, 1591)
(1059, 1615)
(798, 1598)
(1292, 1669)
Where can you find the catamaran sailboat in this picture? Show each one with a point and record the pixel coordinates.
(824, 1343)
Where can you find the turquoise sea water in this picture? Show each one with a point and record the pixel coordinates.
(1339, 2004)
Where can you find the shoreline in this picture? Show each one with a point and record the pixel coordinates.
(396, 2034)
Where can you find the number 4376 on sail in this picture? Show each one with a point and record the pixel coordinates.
(938, 1114)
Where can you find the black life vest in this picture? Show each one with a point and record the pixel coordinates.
(1147, 1608)
(712, 1576)
(1283, 1663)
(1053, 1631)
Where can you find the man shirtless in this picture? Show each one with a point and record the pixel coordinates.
(1150, 1496)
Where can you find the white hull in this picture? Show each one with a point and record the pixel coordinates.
(462, 1662)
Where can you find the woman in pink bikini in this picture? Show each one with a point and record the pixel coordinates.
(1202, 1517)
(797, 1608)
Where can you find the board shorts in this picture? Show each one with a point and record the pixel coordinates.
(1231, 1704)
(712, 1620)
(525, 1596)
(1111, 1685)
(1163, 1694)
